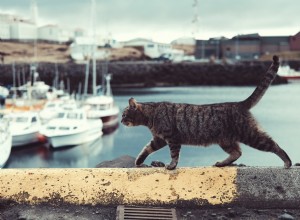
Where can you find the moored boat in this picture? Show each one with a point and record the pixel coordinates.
(53, 107)
(24, 127)
(5, 141)
(70, 128)
(102, 107)
(288, 73)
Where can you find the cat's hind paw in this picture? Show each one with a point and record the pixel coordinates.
(220, 164)
(287, 165)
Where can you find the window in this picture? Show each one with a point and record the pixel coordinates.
(34, 119)
(64, 128)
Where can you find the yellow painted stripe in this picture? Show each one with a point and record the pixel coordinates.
(105, 186)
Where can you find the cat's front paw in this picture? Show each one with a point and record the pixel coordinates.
(171, 166)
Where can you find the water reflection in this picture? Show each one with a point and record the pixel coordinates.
(43, 156)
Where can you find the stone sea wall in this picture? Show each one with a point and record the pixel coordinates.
(145, 74)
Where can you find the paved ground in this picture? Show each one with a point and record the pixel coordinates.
(47, 212)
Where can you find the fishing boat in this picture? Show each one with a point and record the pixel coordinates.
(5, 141)
(29, 96)
(288, 73)
(70, 128)
(24, 127)
(102, 106)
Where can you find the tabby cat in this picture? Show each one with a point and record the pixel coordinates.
(226, 124)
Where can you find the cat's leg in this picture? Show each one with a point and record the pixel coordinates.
(234, 152)
(174, 151)
(152, 146)
(261, 141)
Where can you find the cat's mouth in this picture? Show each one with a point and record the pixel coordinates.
(127, 123)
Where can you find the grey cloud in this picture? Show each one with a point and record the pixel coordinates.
(141, 16)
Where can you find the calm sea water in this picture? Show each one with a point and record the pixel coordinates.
(277, 112)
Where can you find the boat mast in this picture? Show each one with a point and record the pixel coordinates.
(93, 6)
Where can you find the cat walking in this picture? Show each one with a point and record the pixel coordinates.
(225, 124)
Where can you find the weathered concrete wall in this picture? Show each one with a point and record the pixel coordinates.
(148, 73)
(204, 186)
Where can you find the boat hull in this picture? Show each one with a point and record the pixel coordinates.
(5, 148)
(110, 119)
(25, 139)
(291, 78)
(74, 139)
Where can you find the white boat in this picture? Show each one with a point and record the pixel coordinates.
(5, 141)
(24, 127)
(102, 107)
(53, 107)
(3, 94)
(288, 73)
(70, 128)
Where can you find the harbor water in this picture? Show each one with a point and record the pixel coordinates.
(277, 113)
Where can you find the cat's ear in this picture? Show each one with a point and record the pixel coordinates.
(133, 104)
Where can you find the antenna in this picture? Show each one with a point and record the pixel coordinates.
(34, 19)
(195, 20)
(196, 24)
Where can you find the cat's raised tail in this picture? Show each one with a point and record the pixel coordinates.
(260, 90)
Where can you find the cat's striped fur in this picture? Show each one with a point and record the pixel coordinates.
(226, 124)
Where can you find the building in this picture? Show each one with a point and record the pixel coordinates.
(245, 47)
(294, 42)
(206, 49)
(150, 48)
(271, 44)
(15, 28)
(53, 33)
(23, 31)
(242, 47)
(5, 21)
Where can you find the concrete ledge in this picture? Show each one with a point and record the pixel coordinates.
(207, 186)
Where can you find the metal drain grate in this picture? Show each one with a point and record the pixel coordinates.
(144, 213)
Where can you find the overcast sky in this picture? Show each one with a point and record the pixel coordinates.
(166, 20)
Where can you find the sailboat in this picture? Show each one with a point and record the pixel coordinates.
(101, 104)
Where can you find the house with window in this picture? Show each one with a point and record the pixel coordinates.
(5, 21)
(53, 33)
(23, 30)
(148, 47)
(15, 28)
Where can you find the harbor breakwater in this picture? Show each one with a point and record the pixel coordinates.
(143, 74)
